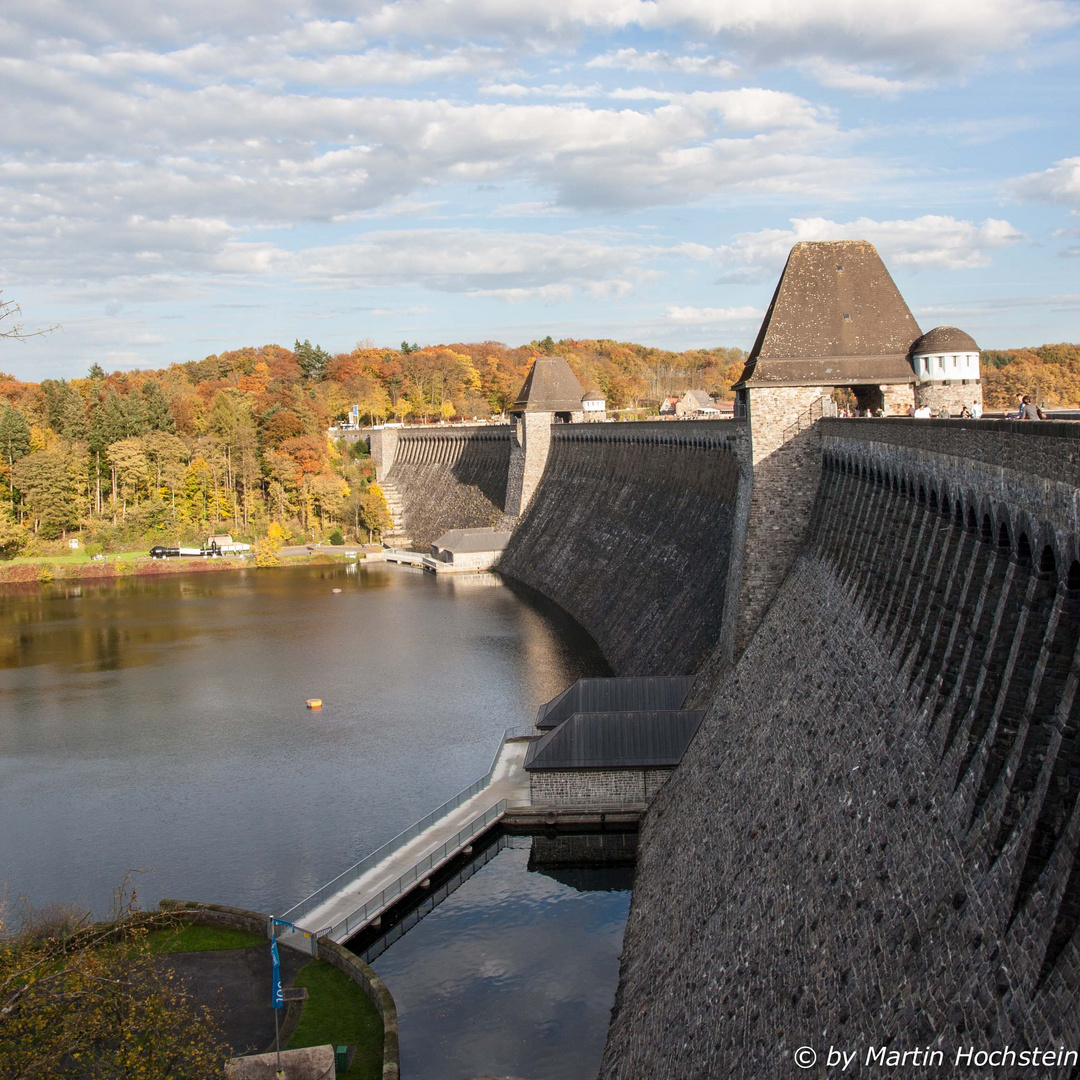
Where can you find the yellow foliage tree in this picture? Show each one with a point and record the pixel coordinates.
(268, 547)
(374, 511)
(86, 1000)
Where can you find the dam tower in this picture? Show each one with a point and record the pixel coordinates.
(836, 320)
(551, 394)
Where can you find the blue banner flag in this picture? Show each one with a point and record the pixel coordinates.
(277, 997)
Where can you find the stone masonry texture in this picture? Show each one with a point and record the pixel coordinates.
(576, 787)
(450, 478)
(872, 839)
(631, 531)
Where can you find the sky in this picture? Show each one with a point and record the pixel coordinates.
(177, 180)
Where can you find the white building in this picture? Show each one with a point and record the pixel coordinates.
(594, 406)
(945, 361)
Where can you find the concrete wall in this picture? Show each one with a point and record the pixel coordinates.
(613, 787)
(631, 531)
(873, 838)
(447, 478)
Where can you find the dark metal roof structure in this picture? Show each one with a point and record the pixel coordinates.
(616, 740)
(550, 386)
(944, 339)
(471, 540)
(836, 319)
(615, 695)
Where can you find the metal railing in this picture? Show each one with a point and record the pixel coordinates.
(368, 862)
(818, 409)
(344, 928)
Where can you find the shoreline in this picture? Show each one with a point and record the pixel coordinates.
(31, 573)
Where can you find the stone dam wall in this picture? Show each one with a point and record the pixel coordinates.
(632, 531)
(872, 840)
(448, 478)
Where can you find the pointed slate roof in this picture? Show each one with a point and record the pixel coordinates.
(550, 386)
(836, 319)
(616, 740)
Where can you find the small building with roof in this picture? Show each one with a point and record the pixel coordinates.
(836, 319)
(697, 403)
(464, 550)
(619, 694)
(610, 741)
(609, 758)
(594, 406)
(946, 364)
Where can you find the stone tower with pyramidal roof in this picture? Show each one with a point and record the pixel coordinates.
(551, 394)
(836, 319)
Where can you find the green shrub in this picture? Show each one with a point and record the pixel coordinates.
(336, 538)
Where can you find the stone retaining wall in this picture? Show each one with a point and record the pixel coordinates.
(359, 972)
(448, 478)
(578, 787)
(632, 531)
(873, 839)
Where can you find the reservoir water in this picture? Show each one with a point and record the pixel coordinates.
(159, 723)
(513, 973)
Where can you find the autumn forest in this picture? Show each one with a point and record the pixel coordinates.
(238, 441)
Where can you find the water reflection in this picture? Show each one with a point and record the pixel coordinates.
(514, 973)
(160, 723)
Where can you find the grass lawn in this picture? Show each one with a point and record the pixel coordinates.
(190, 937)
(338, 1012)
(74, 558)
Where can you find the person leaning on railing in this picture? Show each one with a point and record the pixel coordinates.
(1030, 411)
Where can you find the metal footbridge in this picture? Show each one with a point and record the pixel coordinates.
(359, 895)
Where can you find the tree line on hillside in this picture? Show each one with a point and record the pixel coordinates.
(1050, 374)
(238, 440)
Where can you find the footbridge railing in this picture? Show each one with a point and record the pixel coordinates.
(345, 928)
(368, 862)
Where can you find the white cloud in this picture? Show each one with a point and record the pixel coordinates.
(658, 60)
(857, 79)
(1059, 184)
(928, 241)
(925, 33)
(528, 209)
(546, 294)
(511, 266)
(710, 315)
(548, 90)
(177, 176)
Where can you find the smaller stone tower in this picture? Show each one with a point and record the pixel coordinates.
(551, 394)
(946, 363)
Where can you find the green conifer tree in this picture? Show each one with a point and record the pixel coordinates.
(136, 419)
(158, 414)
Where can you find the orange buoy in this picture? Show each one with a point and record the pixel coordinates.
(314, 702)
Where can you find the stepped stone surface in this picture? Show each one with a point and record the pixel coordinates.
(873, 838)
(631, 531)
(448, 479)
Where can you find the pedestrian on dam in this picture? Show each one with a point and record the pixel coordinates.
(1029, 410)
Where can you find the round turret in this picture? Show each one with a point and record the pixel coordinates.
(594, 405)
(945, 353)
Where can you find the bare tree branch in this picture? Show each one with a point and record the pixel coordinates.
(8, 310)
